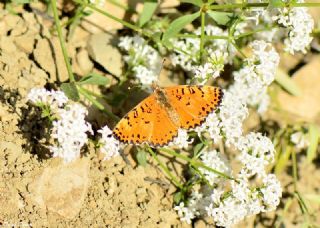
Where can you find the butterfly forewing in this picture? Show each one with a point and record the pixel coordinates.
(147, 122)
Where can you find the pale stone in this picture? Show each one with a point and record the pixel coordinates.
(61, 188)
(306, 106)
(102, 49)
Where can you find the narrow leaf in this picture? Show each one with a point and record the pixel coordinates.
(71, 91)
(222, 18)
(313, 142)
(178, 24)
(283, 160)
(149, 8)
(287, 83)
(94, 79)
(194, 2)
(177, 198)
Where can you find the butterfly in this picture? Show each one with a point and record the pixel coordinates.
(157, 118)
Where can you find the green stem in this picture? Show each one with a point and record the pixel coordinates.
(61, 39)
(131, 26)
(294, 170)
(196, 163)
(165, 169)
(97, 103)
(252, 32)
(202, 38)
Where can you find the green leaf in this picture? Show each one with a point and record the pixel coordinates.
(197, 148)
(276, 3)
(141, 157)
(178, 24)
(314, 135)
(71, 91)
(94, 79)
(287, 83)
(177, 197)
(194, 2)
(149, 7)
(283, 160)
(222, 18)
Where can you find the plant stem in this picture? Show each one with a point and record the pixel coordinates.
(61, 40)
(202, 38)
(294, 170)
(165, 169)
(196, 163)
(252, 32)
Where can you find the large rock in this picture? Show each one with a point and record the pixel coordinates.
(61, 188)
(306, 106)
(103, 49)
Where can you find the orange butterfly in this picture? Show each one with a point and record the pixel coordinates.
(157, 118)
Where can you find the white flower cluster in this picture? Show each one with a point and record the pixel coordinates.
(69, 132)
(69, 127)
(212, 68)
(299, 24)
(53, 99)
(218, 51)
(227, 206)
(226, 122)
(257, 151)
(187, 213)
(144, 60)
(252, 80)
(110, 146)
(214, 160)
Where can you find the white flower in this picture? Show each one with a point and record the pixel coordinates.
(181, 140)
(211, 126)
(271, 191)
(229, 212)
(299, 24)
(54, 99)
(145, 76)
(299, 139)
(212, 68)
(232, 113)
(144, 59)
(189, 211)
(252, 80)
(110, 146)
(227, 121)
(214, 160)
(69, 132)
(187, 52)
(257, 151)
(240, 189)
